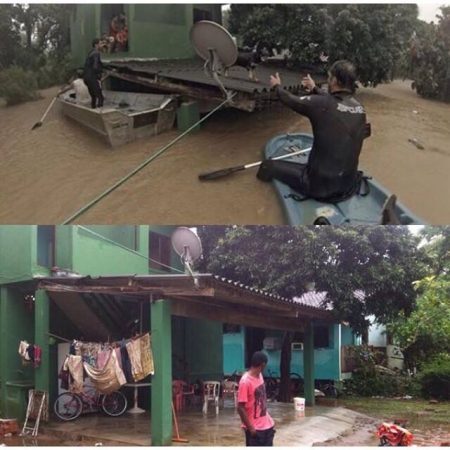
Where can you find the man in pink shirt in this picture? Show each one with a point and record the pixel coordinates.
(252, 408)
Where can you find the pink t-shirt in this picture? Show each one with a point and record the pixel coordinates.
(252, 392)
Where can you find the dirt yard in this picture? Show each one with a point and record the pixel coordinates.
(48, 174)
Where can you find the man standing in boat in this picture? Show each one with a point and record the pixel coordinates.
(339, 126)
(93, 73)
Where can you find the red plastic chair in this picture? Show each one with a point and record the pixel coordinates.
(180, 390)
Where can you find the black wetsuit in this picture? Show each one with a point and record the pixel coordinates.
(339, 126)
(91, 77)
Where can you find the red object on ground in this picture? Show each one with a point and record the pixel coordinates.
(394, 435)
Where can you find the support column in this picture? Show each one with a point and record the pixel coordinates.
(41, 338)
(161, 400)
(308, 364)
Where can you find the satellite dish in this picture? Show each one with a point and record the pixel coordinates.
(188, 246)
(216, 46)
(207, 35)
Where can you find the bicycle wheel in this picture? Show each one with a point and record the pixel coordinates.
(114, 404)
(67, 406)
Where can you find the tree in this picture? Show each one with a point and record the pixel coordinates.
(426, 332)
(9, 37)
(372, 36)
(430, 58)
(380, 263)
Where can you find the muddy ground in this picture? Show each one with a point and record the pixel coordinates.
(48, 174)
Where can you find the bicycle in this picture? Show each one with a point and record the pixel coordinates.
(69, 406)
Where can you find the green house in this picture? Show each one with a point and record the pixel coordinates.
(29, 252)
(154, 30)
(105, 283)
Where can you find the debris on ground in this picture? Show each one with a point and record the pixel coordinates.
(417, 143)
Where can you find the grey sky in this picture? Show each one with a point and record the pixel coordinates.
(428, 11)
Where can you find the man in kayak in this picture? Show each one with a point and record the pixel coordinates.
(252, 405)
(93, 73)
(339, 126)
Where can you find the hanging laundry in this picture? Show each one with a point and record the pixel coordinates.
(75, 367)
(23, 346)
(102, 359)
(37, 356)
(64, 376)
(126, 363)
(146, 355)
(110, 378)
(134, 351)
(118, 356)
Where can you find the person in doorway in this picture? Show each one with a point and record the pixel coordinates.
(93, 73)
(339, 126)
(252, 405)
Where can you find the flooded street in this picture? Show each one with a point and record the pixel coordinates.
(46, 175)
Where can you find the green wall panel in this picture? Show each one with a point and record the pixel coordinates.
(204, 350)
(16, 323)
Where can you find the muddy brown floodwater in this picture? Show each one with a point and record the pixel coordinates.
(48, 174)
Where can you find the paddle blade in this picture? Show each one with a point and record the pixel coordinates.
(220, 173)
(37, 125)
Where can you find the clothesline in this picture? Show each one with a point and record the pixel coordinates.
(109, 365)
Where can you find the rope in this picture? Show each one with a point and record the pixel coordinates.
(142, 165)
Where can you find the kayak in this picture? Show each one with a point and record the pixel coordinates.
(357, 210)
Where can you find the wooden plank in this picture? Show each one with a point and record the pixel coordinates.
(252, 318)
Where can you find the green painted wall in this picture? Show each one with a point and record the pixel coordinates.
(18, 253)
(16, 323)
(234, 352)
(203, 343)
(197, 349)
(95, 256)
(155, 30)
(347, 336)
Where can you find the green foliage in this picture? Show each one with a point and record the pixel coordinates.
(368, 381)
(373, 36)
(435, 377)
(17, 86)
(35, 37)
(381, 261)
(427, 330)
(430, 59)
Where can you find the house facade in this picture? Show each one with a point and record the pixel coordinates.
(329, 342)
(153, 30)
(29, 252)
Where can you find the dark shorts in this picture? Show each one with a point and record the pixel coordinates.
(263, 438)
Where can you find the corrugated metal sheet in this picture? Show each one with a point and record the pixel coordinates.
(191, 71)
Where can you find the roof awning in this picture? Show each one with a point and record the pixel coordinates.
(215, 298)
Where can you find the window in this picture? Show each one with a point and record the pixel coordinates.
(114, 29)
(321, 337)
(159, 251)
(46, 245)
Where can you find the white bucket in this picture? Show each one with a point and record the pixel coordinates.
(299, 404)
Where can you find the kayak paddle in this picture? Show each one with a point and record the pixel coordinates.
(39, 124)
(228, 171)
